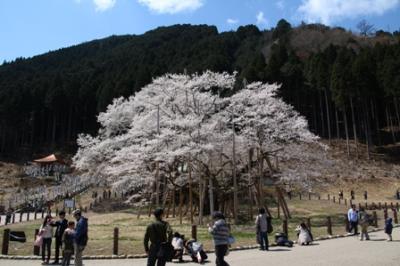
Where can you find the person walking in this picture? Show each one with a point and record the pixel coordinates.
(364, 219)
(389, 228)
(352, 217)
(80, 236)
(60, 225)
(68, 243)
(46, 232)
(262, 229)
(157, 233)
(221, 233)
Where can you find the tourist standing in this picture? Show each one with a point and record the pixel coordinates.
(68, 243)
(46, 232)
(220, 232)
(80, 236)
(60, 225)
(157, 233)
(262, 229)
(364, 219)
(352, 217)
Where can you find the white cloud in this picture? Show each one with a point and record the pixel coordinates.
(280, 4)
(103, 5)
(328, 11)
(172, 6)
(261, 20)
(232, 21)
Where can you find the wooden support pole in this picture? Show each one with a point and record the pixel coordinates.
(13, 218)
(35, 215)
(20, 216)
(385, 214)
(194, 232)
(300, 195)
(6, 242)
(116, 236)
(329, 225)
(36, 249)
(329, 197)
(309, 224)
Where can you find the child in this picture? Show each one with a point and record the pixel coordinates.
(305, 237)
(68, 243)
(389, 228)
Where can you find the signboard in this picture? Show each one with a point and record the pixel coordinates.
(69, 203)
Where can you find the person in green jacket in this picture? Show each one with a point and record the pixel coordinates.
(157, 232)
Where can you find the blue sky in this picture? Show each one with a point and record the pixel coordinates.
(31, 27)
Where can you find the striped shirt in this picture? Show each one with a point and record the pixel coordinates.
(220, 232)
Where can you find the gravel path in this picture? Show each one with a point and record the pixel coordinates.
(343, 251)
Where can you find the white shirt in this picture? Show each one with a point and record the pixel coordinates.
(177, 243)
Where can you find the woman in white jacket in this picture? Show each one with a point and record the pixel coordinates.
(46, 232)
(305, 237)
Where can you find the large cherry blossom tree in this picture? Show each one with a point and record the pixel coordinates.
(178, 121)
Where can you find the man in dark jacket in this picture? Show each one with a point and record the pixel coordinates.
(81, 236)
(61, 225)
(157, 232)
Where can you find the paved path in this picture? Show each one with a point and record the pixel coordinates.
(343, 252)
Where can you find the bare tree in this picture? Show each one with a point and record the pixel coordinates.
(365, 28)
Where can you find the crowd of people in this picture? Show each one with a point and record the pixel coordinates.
(69, 236)
(162, 245)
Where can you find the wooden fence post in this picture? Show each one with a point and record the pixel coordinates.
(36, 249)
(20, 216)
(329, 225)
(319, 197)
(391, 205)
(334, 199)
(116, 236)
(285, 227)
(309, 196)
(359, 206)
(385, 214)
(385, 205)
(366, 205)
(375, 218)
(379, 205)
(27, 216)
(329, 197)
(6, 241)
(397, 205)
(300, 195)
(57, 212)
(194, 232)
(13, 218)
(345, 202)
(396, 221)
(42, 213)
(340, 201)
(35, 215)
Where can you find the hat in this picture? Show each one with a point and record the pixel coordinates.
(77, 212)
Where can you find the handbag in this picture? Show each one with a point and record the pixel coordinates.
(270, 229)
(38, 241)
(231, 240)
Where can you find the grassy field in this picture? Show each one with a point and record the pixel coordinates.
(131, 229)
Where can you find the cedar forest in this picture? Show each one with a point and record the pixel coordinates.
(347, 85)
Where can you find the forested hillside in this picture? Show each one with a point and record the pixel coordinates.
(347, 85)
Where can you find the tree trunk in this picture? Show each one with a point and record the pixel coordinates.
(366, 129)
(337, 124)
(375, 114)
(53, 131)
(389, 124)
(396, 108)
(328, 119)
(322, 114)
(260, 161)
(353, 118)
(346, 129)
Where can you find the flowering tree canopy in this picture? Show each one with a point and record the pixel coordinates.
(182, 117)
